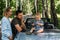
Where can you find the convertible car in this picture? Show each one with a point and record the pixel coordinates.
(50, 31)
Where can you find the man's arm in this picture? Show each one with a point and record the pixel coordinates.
(18, 27)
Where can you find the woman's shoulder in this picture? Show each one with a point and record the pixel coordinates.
(4, 19)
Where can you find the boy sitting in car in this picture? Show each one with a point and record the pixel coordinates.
(37, 24)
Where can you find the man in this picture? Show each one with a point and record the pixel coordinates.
(38, 24)
(17, 23)
(5, 23)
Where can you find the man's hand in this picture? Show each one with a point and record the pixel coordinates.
(23, 25)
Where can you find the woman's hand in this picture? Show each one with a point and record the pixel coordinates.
(10, 38)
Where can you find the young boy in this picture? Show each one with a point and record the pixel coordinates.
(38, 24)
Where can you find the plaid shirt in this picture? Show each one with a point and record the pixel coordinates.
(6, 28)
(37, 27)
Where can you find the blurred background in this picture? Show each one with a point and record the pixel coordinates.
(47, 8)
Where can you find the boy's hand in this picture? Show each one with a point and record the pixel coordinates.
(32, 30)
(40, 24)
(33, 24)
(40, 31)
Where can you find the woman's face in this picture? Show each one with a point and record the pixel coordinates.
(9, 13)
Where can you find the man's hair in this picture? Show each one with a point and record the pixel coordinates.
(18, 12)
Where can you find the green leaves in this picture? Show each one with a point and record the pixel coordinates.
(2, 6)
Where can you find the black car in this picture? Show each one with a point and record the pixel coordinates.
(47, 23)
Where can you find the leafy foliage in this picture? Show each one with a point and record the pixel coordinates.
(2, 6)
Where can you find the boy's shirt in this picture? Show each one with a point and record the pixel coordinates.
(37, 27)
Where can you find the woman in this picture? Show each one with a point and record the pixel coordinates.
(6, 27)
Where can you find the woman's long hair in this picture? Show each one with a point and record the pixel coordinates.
(6, 11)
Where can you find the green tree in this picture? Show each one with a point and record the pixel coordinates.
(27, 6)
(2, 6)
(53, 13)
(58, 9)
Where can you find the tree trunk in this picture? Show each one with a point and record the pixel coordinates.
(9, 3)
(6, 3)
(53, 13)
(17, 5)
(36, 5)
(46, 9)
(43, 9)
(20, 5)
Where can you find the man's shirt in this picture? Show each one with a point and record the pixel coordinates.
(13, 23)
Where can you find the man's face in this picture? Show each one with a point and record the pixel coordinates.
(10, 13)
(20, 15)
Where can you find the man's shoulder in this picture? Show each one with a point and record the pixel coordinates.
(15, 19)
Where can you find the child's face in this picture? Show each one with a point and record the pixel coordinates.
(37, 17)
